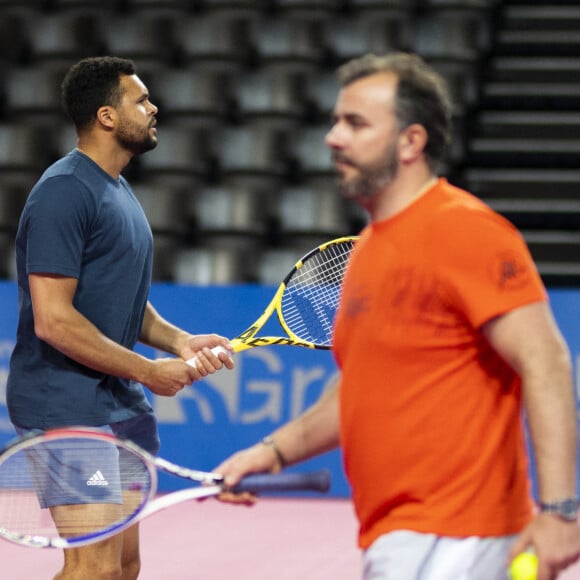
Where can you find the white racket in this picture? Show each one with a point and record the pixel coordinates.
(71, 487)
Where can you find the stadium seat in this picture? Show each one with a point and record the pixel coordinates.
(221, 210)
(312, 156)
(23, 151)
(61, 6)
(307, 8)
(158, 6)
(179, 158)
(206, 266)
(164, 206)
(252, 152)
(65, 37)
(311, 210)
(197, 96)
(361, 6)
(275, 263)
(274, 95)
(292, 41)
(144, 37)
(7, 257)
(12, 199)
(19, 5)
(34, 93)
(14, 43)
(451, 35)
(219, 40)
(351, 36)
(321, 91)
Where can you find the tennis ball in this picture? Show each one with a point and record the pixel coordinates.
(524, 567)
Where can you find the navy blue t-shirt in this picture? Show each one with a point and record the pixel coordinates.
(79, 222)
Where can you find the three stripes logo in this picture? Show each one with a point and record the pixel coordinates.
(97, 479)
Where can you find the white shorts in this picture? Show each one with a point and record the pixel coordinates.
(406, 555)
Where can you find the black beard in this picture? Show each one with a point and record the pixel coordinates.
(137, 147)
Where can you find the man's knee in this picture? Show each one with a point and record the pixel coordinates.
(81, 572)
(131, 568)
(100, 561)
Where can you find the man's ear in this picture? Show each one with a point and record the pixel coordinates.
(106, 117)
(412, 142)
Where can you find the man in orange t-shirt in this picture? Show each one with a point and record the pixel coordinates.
(442, 403)
(444, 338)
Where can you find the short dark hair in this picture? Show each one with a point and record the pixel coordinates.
(93, 83)
(422, 96)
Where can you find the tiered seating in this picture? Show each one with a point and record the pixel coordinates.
(245, 89)
(524, 151)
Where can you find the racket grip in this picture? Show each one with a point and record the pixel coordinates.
(274, 483)
(192, 362)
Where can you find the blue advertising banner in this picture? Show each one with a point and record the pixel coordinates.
(231, 410)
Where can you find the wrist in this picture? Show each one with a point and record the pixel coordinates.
(269, 442)
(182, 344)
(566, 508)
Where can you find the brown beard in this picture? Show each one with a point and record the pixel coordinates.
(370, 178)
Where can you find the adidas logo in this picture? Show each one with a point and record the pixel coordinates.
(97, 479)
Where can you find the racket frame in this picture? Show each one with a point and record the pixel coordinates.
(211, 484)
(248, 338)
(149, 503)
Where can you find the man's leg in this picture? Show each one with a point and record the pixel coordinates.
(101, 561)
(116, 558)
(130, 557)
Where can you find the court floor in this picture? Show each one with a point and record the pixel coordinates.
(277, 539)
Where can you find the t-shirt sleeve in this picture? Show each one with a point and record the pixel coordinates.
(57, 224)
(491, 268)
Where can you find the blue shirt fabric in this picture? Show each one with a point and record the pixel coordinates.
(80, 222)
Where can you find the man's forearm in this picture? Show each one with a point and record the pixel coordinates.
(552, 420)
(76, 337)
(314, 432)
(161, 334)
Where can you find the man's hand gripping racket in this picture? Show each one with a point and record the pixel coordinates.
(66, 488)
(305, 302)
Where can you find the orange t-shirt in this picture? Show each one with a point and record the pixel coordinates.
(430, 415)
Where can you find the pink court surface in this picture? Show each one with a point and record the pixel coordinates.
(277, 539)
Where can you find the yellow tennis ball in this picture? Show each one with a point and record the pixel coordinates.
(524, 567)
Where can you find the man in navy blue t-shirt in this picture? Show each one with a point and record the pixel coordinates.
(84, 258)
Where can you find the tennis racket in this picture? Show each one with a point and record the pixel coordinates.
(305, 302)
(66, 488)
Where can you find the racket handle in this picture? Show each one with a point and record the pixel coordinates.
(192, 362)
(279, 482)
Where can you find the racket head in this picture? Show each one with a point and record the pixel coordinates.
(65, 488)
(311, 293)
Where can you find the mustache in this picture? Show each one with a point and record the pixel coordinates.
(338, 157)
